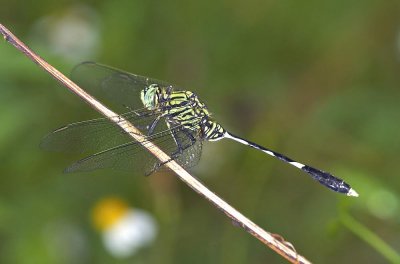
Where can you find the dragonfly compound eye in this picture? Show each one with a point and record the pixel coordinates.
(149, 96)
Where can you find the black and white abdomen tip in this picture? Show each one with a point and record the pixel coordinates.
(325, 178)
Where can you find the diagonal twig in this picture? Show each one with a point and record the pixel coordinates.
(275, 242)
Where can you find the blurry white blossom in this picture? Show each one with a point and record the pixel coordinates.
(124, 230)
(72, 34)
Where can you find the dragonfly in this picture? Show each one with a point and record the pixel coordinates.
(174, 119)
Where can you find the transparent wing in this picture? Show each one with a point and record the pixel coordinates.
(133, 157)
(113, 87)
(98, 134)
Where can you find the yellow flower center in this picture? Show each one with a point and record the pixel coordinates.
(107, 212)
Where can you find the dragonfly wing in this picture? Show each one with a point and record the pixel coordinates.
(95, 135)
(134, 157)
(123, 157)
(112, 86)
(91, 135)
(131, 156)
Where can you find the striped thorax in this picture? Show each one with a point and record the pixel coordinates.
(182, 108)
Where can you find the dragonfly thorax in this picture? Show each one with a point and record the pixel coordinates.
(182, 108)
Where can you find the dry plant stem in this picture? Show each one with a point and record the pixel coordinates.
(268, 239)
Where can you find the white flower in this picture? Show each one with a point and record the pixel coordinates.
(124, 230)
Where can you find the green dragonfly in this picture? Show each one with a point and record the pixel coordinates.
(175, 120)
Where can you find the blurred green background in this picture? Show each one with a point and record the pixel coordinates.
(316, 80)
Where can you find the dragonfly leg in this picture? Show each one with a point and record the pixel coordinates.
(179, 150)
(180, 146)
(153, 125)
(169, 91)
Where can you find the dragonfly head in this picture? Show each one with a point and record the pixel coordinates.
(149, 96)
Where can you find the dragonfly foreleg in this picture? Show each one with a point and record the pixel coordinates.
(153, 125)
